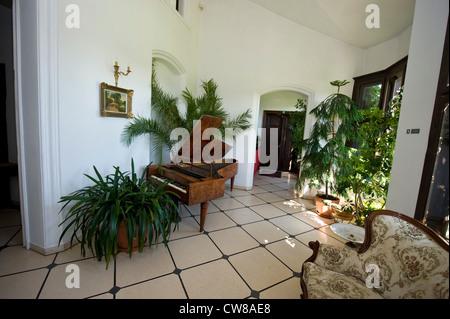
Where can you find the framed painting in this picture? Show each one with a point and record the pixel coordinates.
(115, 101)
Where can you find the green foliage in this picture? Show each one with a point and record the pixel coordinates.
(335, 123)
(371, 96)
(169, 117)
(99, 209)
(297, 126)
(365, 172)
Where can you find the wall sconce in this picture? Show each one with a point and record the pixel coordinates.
(117, 73)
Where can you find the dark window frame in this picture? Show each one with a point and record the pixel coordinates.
(386, 78)
(442, 97)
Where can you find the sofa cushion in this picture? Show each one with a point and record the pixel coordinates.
(322, 283)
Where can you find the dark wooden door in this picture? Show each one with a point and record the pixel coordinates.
(279, 120)
(3, 131)
(4, 174)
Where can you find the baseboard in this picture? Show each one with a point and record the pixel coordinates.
(51, 250)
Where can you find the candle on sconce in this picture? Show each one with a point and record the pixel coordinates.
(118, 73)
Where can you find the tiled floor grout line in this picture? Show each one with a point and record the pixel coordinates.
(294, 274)
(178, 272)
(12, 237)
(23, 271)
(189, 213)
(49, 267)
(229, 262)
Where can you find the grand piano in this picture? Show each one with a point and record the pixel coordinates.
(199, 176)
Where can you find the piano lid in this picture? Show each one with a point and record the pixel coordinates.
(203, 150)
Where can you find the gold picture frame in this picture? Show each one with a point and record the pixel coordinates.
(115, 101)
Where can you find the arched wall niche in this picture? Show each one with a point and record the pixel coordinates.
(171, 76)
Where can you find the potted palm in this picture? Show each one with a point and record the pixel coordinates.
(336, 117)
(168, 116)
(118, 206)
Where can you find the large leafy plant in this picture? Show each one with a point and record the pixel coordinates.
(297, 126)
(97, 211)
(365, 172)
(336, 117)
(168, 116)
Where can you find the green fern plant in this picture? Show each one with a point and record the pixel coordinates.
(169, 117)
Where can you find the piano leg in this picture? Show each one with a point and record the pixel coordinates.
(203, 211)
(232, 183)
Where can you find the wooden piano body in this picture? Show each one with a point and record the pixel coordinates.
(197, 183)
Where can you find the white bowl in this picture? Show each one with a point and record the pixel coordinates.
(349, 232)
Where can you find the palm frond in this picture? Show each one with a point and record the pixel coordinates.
(142, 126)
(165, 104)
(240, 123)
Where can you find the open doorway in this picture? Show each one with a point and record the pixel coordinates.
(275, 110)
(280, 120)
(10, 219)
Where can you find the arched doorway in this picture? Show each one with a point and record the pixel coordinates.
(272, 106)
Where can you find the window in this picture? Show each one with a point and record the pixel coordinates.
(180, 6)
(378, 89)
(177, 5)
(370, 95)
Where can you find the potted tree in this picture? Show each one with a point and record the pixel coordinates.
(120, 212)
(336, 117)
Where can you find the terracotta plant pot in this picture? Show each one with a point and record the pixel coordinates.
(343, 215)
(326, 211)
(122, 239)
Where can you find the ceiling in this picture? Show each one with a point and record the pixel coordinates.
(345, 20)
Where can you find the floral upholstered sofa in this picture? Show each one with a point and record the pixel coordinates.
(400, 258)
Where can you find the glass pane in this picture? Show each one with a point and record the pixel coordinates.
(394, 86)
(369, 96)
(436, 216)
(397, 86)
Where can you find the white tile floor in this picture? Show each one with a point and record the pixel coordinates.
(253, 246)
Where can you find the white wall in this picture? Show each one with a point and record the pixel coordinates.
(425, 56)
(113, 30)
(385, 54)
(248, 50)
(61, 140)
